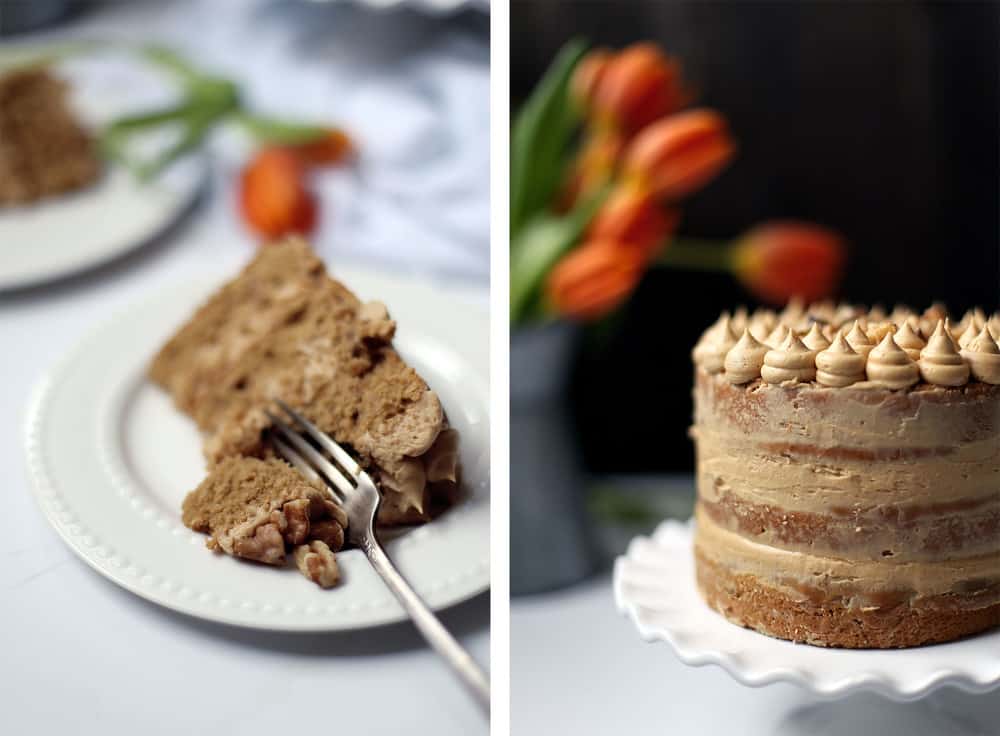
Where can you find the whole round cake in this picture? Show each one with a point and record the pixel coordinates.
(848, 474)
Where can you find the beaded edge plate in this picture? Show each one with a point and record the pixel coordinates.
(109, 460)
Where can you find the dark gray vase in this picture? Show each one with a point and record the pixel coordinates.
(550, 541)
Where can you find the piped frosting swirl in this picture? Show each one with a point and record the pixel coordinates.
(777, 335)
(889, 365)
(745, 359)
(907, 338)
(792, 361)
(815, 339)
(859, 341)
(983, 356)
(839, 365)
(841, 345)
(710, 352)
(940, 362)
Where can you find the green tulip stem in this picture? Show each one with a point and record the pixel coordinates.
(697, 254)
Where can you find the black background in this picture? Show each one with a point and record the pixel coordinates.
(881, 120)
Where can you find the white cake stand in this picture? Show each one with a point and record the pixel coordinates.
(655, 588)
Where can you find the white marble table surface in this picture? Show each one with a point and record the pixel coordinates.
(78, 654)
(578, 667)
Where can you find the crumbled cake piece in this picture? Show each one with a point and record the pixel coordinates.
(284, 329)
(43, 149)
(254, 508)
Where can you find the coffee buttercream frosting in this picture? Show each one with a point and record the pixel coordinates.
(983, 356)
(745, 359)
(791, 361)
(940, 362)
(710, 352)
(839, 365)
(889, 365)
(907, 338)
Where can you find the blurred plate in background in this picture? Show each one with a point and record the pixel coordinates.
(437, 7)
(62, 235)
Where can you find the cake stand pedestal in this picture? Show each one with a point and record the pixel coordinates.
(655, 588)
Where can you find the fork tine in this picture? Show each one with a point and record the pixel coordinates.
(324, 440)
(309, 452)
(303, 466)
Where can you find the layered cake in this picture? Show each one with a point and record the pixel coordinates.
(848, 474)
(43, 149)
(283, 329)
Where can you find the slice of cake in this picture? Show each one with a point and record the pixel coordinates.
(285, 330)
(256, 509)
(43, 149)
(848, 475)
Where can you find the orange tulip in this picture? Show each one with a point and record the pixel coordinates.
(636, 220)
(593, 279)
(779, 260)
(594, 166)
(273, 195)
(675, 156)
(639, 85)
(587, 75)
(333, 147)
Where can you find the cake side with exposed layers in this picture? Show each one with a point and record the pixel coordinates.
(852, 513)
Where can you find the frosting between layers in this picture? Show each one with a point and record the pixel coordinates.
(873, 583)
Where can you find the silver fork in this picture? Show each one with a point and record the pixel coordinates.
(356, 492)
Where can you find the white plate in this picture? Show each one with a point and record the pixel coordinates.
(110, 460)
(654, 586)
(434, 7)
(62, 235)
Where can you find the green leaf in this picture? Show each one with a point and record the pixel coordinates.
(283, 132)
(537, 248)
(540, 134)
(173, 62)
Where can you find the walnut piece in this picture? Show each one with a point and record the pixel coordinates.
(316, 561)
(297, 515)
(265, 544)
(328, 531)
(335, 512)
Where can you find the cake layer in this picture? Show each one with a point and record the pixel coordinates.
(900, 532)
(854, 423)
(973, 582)
(747, 601)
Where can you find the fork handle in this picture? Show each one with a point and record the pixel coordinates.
(430, 626)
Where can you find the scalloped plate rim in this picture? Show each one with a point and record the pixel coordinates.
(703, 655)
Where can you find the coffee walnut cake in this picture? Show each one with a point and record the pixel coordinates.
(43, 148)
(848, 474)
(283, 329)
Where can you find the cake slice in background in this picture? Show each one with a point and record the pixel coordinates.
(44, 150)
